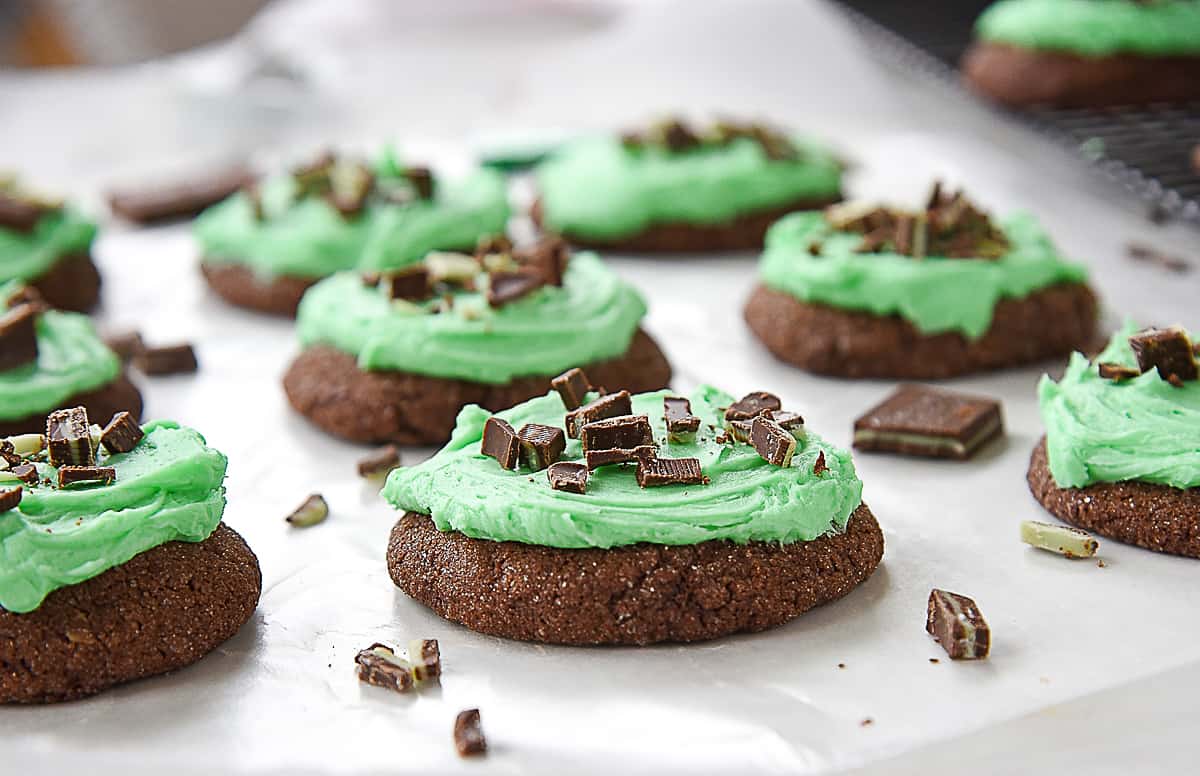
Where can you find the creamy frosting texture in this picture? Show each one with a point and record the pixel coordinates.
(934, 294)
(1095, 27)
(168, 488)
(29, 255)
(597, 188)
(747, 499)
(1099, 430)
(591, 317)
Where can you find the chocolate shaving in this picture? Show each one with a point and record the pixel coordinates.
(956, 623)
(500, 442)
(597, 458)
(682, 425)
(655, 472)
(179, 199)
(69, 438)
(167, 360)
(573, 386)
(1167, 350)
(772, 442)
(506, 287)
(410, 283)
(752, 405)
(378, 665)
(624, 432)
(18, 337)
(74, 475)
(568, 477)
(121, 434)
(379, 462)
(10, 498)
(26, 473)
(608, 406)
(468, 734)
(541, 445)
(1118, 372)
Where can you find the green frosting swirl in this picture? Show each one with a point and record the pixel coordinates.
(308, 238)
(1095, 28)
(168, 488)
(591, 317)
(934, 294)
(1099, 430)
(747, 499)
(71, 360)
(29, 255)
(596, 188)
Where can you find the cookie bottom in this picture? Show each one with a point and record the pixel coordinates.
(118, 396)
(162, 610)
(72, 283)
(1019, 76)
(1050, 322)
(742, 233)
(241, 287)
(327, 387)
(640, 594)
(1156, 517)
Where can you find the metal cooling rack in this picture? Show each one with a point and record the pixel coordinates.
(1146, 149)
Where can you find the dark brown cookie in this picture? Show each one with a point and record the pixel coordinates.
(326, 386)
(1050, 322)
(162, 610)
(1020, 77)
(640, 594)
(72, 283)
(238, 285)
(118, 396)
(743, 233)
(1157, 517)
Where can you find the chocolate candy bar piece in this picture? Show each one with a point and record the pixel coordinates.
(500, 442)
(1168, 350)
(541, 445)
(791, 422)
(18, 337)
(740, 430)
(682, 425)
(167, 360)
(752, 404)
(568, 477)
(178, 199)
(468, 734)
(69, 438)
(125, 344)
(819, 465)
(916, 420)
(654, 472)
(21, 214)
(411, 283)
(426, 659)
(548, 258)
(350, 184)
(955, 622)
(26, 473)
(379, 665)
(121, 434)
(505, 287)
(772, 442)
(10, 498)
(1118, 372)
(8, 452)
(1066, 541)
(609, 406)
(28, 445)
(597, 458)
(314, 510)
(422, 181)
(625, 431)
(379, 462)
(573, 386)
(73, 475)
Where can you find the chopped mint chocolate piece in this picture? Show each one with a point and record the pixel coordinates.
(379, 665)
(568, 477)
(468, 734)
(752, 404)
(654, 472)
(121, 434)
(167, 360)
(626, 431)
(74, 475)
(18, 337)
(774, 444)
(682, 425)
(314, 510)
(608, 406)
(426, 659)
(69, 438)
(573, 386)
(541, 445)
(500, 442)
(1168, 350)
(10, 498)
(956, 623)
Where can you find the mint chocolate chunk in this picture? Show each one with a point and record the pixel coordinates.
(541, 445)
(468, 734)
(10, 498)
(1167, 350)
(626, 431)
(121, 434)
(18, 337)
(1118, 372)
(573, 386)
(598, 458)
(682, 425)
(69, 438)
(916, 420)
(74, 475)
(411, 284)
(609, 406)
(568, 477)
(167, 360)
(26, 473)
(654, 472)
(500, 442)
(772, 442)
(752, 404)
(506, 287)
(956, 623)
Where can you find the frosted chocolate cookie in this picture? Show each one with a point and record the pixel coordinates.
(47, 244)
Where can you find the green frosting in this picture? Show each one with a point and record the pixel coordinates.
(597, 188)
(934, 294)
(746, 500)
(308, 238)
(591, 317)
(29, 255)
(1099, 430)
(71, 360)
(168, 488)
(1095, 27)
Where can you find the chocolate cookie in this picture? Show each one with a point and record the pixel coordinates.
(640, 594)
(326, 386)
(1019, 76)
(238, 285)
(743, 233)
(162, 610)
(72, 283)
(1157, 517)
(118, 396)
(1050, 322)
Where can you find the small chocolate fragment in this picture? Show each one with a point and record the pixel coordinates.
(379, 665)
(422, 181)
(541, 445)
(1064, 540)
(819, 465)
(379, 462)
(674, 135)
(167, 360)
(548, 258)
(609, 406)
(655, 472)
(1168, 350)
(468, 734)
(739, 430)
(10, 498)
(121, 434)
(791, 422)
(21, 214)
(956, 623)
(682, 425)
(573, 386)
(752, 404)
(179, 199)
(916, 420)
(18, 337)
(1118, 372)
(69, 438)
(26, 472)
(126, 345)
(625, 432)
(73, 475)
(411, 283)
(350, 185)
(426, 659)
(8, 452)
(772, 442)
(506, 287)
(500, 442)
(314, 510)
(313, 178)
(568, 477)
(597, 458)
